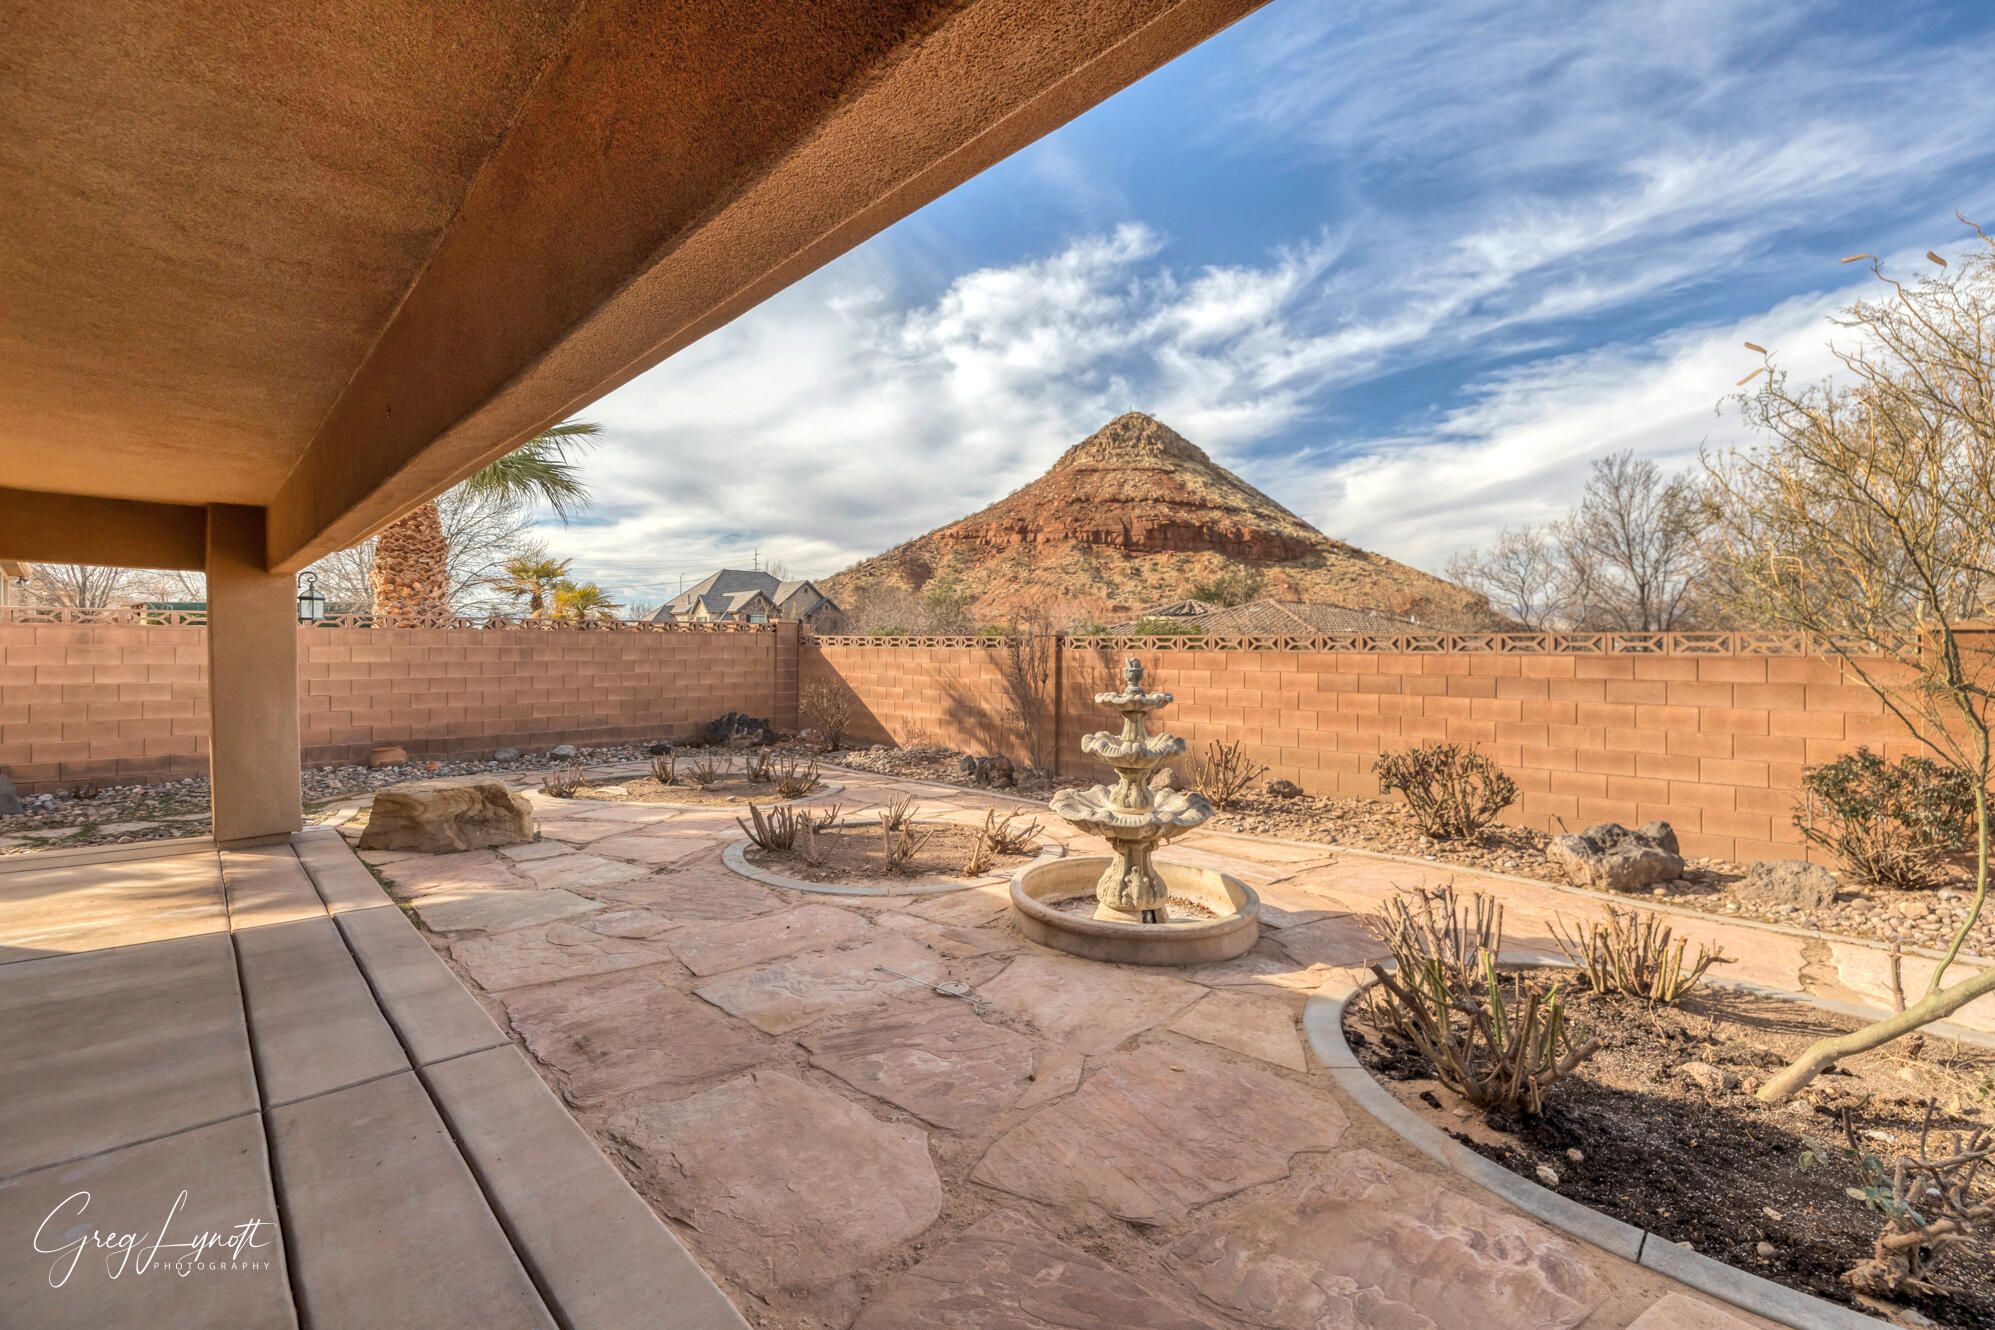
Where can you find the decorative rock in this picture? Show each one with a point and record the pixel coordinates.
(1788, 882)
(1613, 857)
(444, 816)
(781, 1183)
(936, 1060)
(10, 802)
(1547, 1175)
(1160, 1131)
(1712, 1080)
(1765, 1250)
(1366, 1244)
(658, 750)
(507, 754)
(738, 727)
(388, 755)
(602, 1035)
(1004, 1272)
(1284, 789)
(562, 751)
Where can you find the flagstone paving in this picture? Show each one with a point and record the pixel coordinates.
(1087, 1147)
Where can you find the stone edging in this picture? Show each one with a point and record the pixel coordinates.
(830, 788)
(735, 856)
(1323, 1027)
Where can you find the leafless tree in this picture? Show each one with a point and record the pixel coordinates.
(81, 586)
(1523, 575)
(1028, 665)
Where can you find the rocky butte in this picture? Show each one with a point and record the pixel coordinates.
(1136, 515)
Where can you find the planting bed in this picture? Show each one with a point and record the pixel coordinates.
(854, 854)
(1638, 1135)
(732, 792)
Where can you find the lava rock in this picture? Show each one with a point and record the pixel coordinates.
(1284, 789)
(994, 772)
(738, 727)
(506, 755)
(659, 750)
(442, 817)
(1611, 856)
(1788, 882)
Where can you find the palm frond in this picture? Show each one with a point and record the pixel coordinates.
(540, 470)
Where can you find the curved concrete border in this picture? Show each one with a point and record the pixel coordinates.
(830, 788)
(1323, 1026)
(735, 856)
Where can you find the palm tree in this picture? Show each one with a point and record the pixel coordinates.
(532, 577)
(411, 573)
(584, 600)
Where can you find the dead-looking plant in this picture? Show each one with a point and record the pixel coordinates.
(1009, 836)
(824, 819)
(1931, 1205)
(1628, 952)
(1222, 773)
(793, 778)
(899, 811)
(562, 782)
(707, 772)
(978, 861)
(1453, 792)
(665, 767)
(757, 767)
(1499, 1051)
(807, 848)
(901, 846)
(774, 830)
(830, 707)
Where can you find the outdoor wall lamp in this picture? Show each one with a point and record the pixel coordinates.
(311, 601)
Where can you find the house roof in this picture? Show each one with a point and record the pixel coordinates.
(731, 589)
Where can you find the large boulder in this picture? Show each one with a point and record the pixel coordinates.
(1788, 882)
(438, 817)
(1613, 857)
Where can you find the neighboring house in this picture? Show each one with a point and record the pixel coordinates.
(1271, 616)
(753, 596)
(13, 583)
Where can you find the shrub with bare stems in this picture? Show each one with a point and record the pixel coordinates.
(901, 846)
(794, 778)
(707, 772)
(807, 847)
(1007, 836)
(830, 707)
(824, 819)
(1629, 952)
(1453, 792)
(756, 767)
(774, 830)
(978, 861)
(1931, 1205)
(665, 767)
(562, 782)
(1499, 1051)
(1222, 773)
(898, 812)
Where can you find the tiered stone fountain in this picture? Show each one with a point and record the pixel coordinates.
(1132, 922)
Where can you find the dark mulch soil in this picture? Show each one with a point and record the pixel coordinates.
(856, 855)
(1718, 1170)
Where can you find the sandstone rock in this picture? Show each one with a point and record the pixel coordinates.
(1005, 1273)
(438, 817)
(1260, 1027)
(1056, 1072)
(1547, 1175)
(1709, 1078)
(497, 911)
(791, 994)
(1788, 882)
(1284, 789)
(1091, 1006)
(388, 755)
(1612, 857)
(606, 1035)
(758, 941)
(562, 752)
(507, 754)
(1363, 1243)
(1160, 1131)
(937, 1060)
(560, 950)
(693, 895)
(782, 1184)
(578, 872)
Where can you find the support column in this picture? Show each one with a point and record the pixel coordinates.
(252, 683)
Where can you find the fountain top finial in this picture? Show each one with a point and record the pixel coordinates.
(1132, 670)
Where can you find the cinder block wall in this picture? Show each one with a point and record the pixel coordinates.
(123, 703)
(1714, 745)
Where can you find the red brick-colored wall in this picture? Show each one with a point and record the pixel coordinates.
(124, 702)
(1712, 744)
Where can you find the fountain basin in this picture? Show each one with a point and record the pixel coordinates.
(1037, 888)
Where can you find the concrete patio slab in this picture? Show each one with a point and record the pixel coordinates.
(387, 1223)
(736, 946)
(79, 906)
(313, 1023)
(495, 911)
(605, 1261)
(1091, 1006)
(937, 1060)
(577, 872)
(542, 954)
(213, 1179)
(430, 1010)
(109, 1048)
(791, 994)
(267, 885)
(342, 883)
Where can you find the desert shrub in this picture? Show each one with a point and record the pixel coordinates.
(775, 830)
(806, 848)
(665, 767)
(1630, 953)
(756, 767)
(1453, 792)
(1888, 823)
(1931, 1204)
(794, 778)
(901, 845)
(1499, 1051)
(978, 861)
(1006, 835)
(824, 819)
(1233, 586)
(1222, 773)
(562, 782)
(1158, 625)
(899, 811)
(706, 773)
(830, 708)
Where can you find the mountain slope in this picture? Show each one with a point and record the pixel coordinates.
(1131, 516)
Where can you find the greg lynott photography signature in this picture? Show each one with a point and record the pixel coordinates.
(172, 1249)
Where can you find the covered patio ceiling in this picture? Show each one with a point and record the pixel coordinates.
(328, 260)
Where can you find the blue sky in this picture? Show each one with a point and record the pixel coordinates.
(1409, 268)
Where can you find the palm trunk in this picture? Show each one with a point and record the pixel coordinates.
(411, 573)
